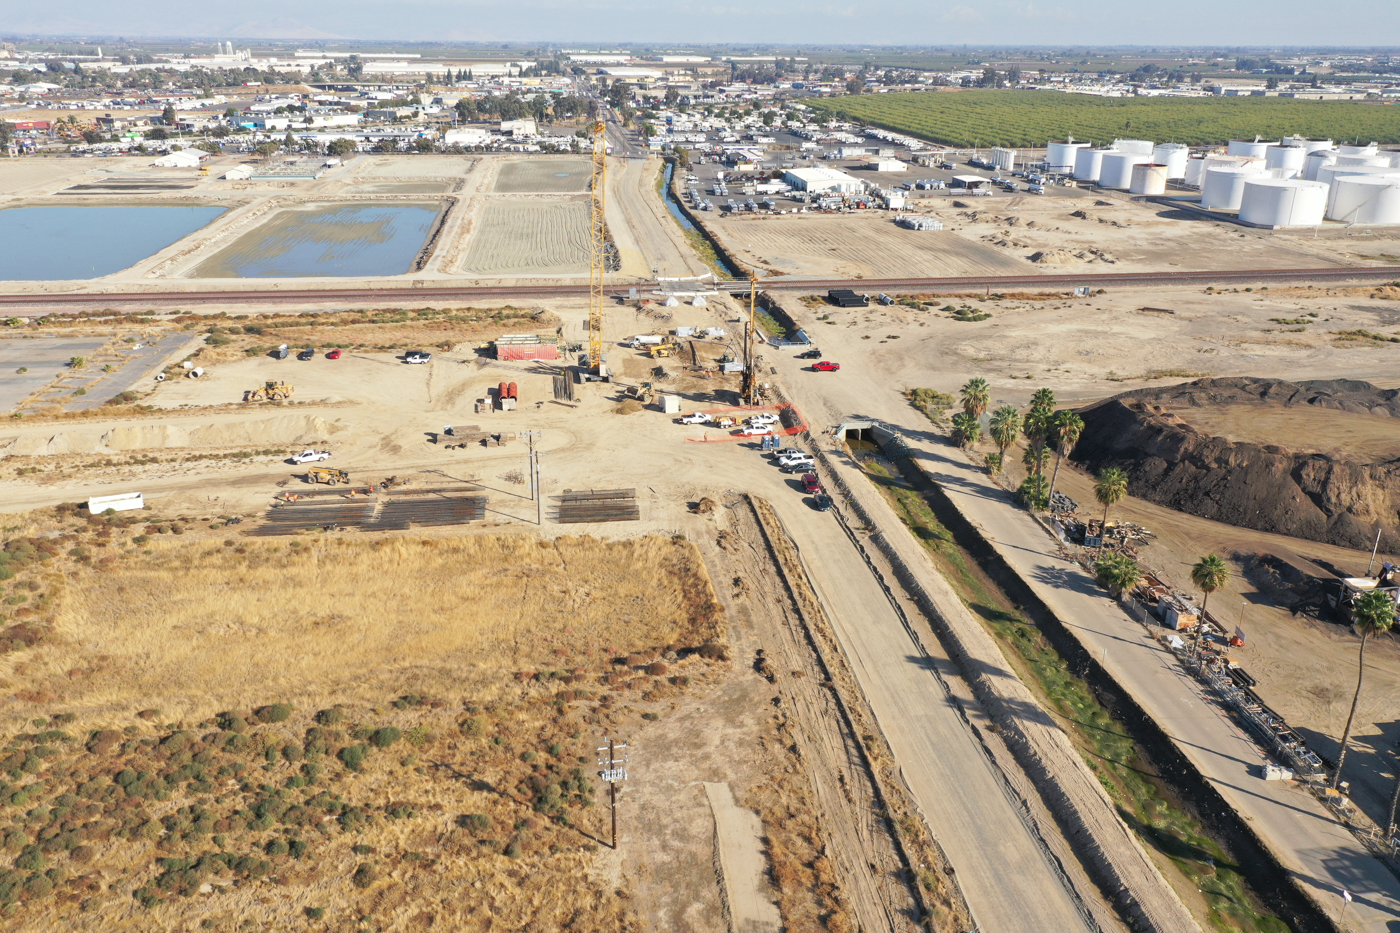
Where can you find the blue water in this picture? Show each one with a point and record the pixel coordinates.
(328, 241)
(85, 242)
(671, 204)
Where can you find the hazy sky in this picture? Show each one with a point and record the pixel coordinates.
(881, 22)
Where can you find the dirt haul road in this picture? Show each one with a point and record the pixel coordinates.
(1321, 855)
(1010, 882)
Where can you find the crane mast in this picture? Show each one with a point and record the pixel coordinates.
(598, 251)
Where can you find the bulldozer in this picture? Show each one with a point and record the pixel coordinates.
(271, 390)
(329, 475)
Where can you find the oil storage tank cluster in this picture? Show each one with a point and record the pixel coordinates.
(1282, 202)
(1088, 163)
(1173, 156)
(1284, 161)
(1223, 188)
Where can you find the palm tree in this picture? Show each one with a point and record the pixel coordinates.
(1118, 572)
(1209, 574)
(1034, 460)
(1373, 613)
(1044, 400)
(1110, 489)
(966, 429)
(976, 395)
(1037, 429)
(1065, 429)
(1004, 425)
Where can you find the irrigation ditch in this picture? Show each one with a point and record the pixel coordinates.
(1155, 759)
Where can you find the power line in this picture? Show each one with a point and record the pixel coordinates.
(614, 771)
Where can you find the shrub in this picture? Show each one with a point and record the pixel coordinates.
(329, 717)
(383, 738)
(353, 756)
(276, 847)
(471, 726)
(513, 849)
(315, 913)
(364, 876)
(476, 822)
(657, 669)
(527, 756)
(31, 859)
(278, 712)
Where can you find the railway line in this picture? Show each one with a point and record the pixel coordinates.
(399, 294)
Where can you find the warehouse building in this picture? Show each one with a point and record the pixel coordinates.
(823, 180)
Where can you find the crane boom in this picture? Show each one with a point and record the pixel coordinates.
(598, 250)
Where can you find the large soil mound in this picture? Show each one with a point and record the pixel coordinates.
(1326, 495)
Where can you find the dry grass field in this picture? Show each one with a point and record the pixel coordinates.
(392, 734)
(543, 176)
(196, 629)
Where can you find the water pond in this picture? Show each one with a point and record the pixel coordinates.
(88, 241)
(327, 240)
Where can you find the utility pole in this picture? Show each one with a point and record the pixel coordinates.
(614, 770)
(534, 467)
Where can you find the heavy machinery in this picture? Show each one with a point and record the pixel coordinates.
(328, 475)
(643, 393)
(272, 390)
(662, 350)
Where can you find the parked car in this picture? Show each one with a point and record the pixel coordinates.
(826, 366)
(698, 417)
(417, 356)
(821, 502)
(308, 354)
(311, 456)
(763, 417)
(812, 354)
(792, 453)
(754, 430)
(810, 484)
(333, 355)
(799, 465)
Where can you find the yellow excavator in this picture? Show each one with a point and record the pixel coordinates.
(271, 390)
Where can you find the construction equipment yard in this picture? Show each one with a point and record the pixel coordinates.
(905, 708)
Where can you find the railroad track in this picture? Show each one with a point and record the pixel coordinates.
(400, 294)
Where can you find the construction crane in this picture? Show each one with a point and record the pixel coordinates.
(598, 251)
(748, 392)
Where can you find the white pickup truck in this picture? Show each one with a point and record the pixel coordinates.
(754, 430)
(698, 417)
(311, 456)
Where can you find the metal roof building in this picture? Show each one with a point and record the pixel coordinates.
(823, 179)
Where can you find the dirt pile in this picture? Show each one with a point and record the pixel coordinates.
(1059, 257)
(1329, 496)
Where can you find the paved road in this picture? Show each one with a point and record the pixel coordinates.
(256, 294)
(1010, 885)
(1321, 854)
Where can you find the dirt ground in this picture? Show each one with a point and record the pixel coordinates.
(1025, 235)
(543, 176)
(530, 238)
(1364, 438)
(1085, 350)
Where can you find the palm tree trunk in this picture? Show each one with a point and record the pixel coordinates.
(1356, 698)
(1103, 529)
(1059, 458)
(1394, 800)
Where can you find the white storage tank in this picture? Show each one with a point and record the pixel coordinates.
(1088, 163)
(1330, 173)
(1117, 169)
(1283, 202)
(1307, 145)
(1137, 146)
(1373, 159)
(1285, 161)
(1059, 156)
(1394, 157)
(1148, 178)
(1365, 199)
(1195, 171)
(1173, 156)
(1223, 189)
(1252, 148)
(1004, 159)
(1314, 161)
(1368, 149)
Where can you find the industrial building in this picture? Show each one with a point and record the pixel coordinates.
(827, 180)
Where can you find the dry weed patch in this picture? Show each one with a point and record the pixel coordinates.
(390, 734)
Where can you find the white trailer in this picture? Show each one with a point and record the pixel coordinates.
(122, 502)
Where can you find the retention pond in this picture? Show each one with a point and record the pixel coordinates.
(88, 241)
(327, 240)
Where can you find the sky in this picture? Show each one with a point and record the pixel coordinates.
(1215, 23)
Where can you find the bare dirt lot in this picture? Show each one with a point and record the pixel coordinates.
(419, 166)
(1304, 430)
(517, 237)
(543, 176)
